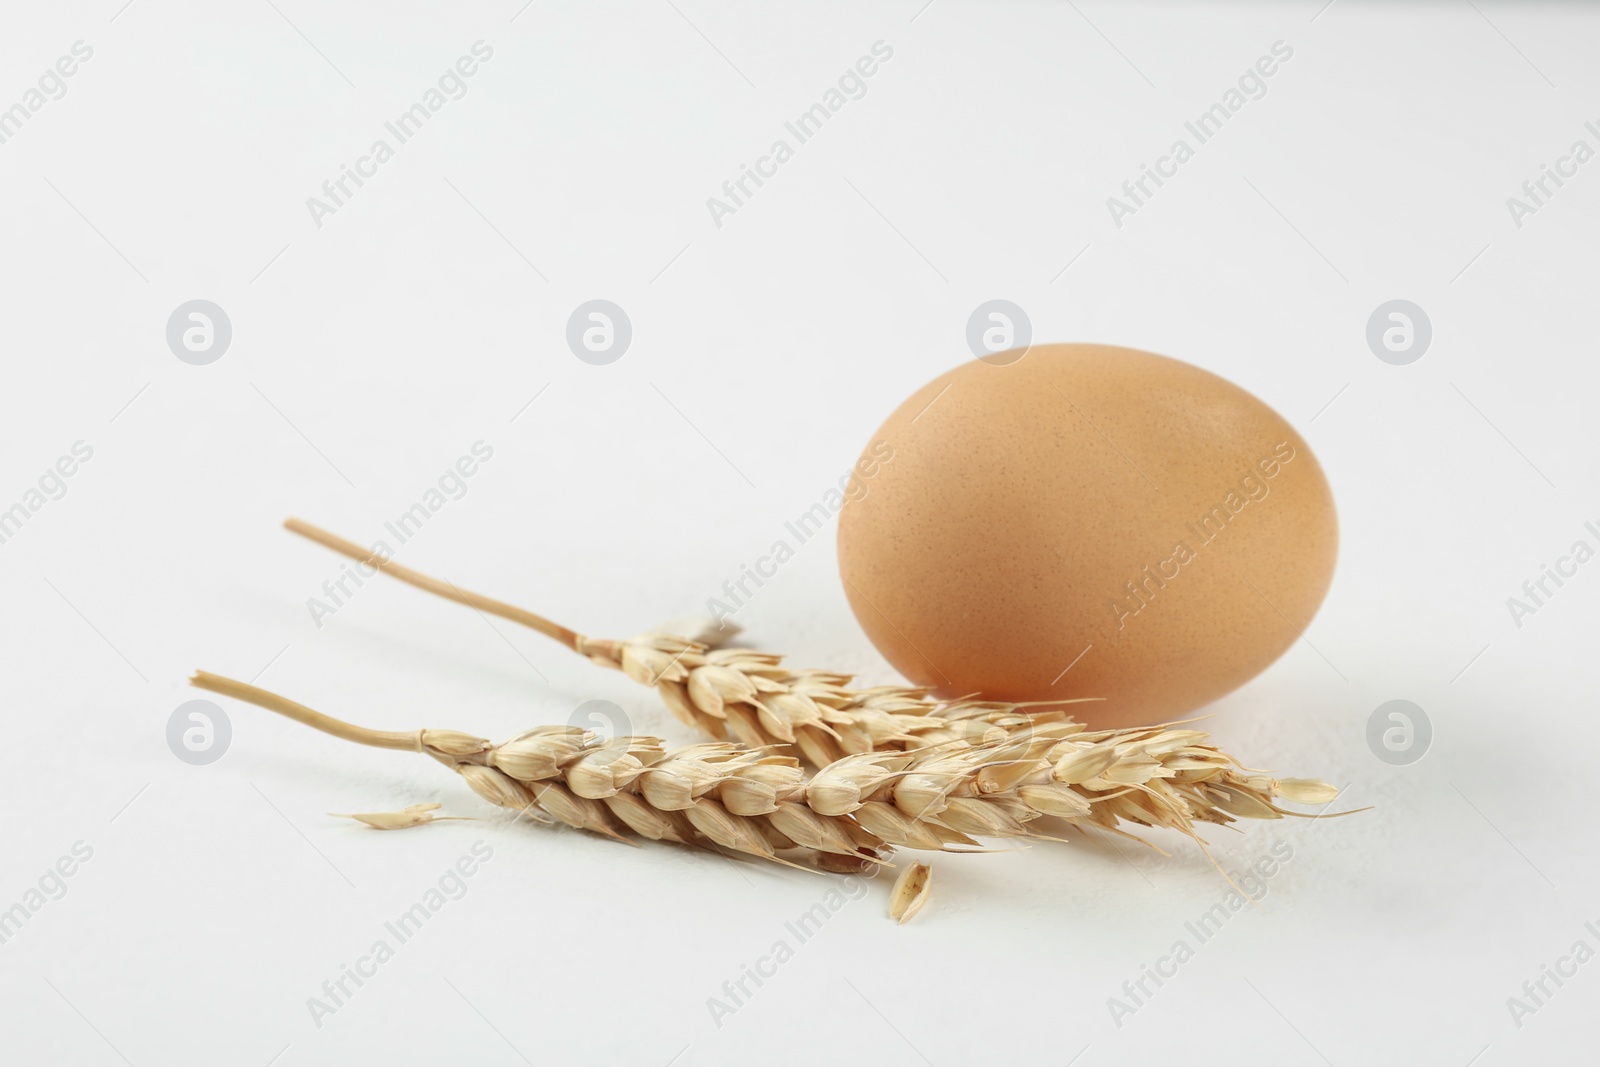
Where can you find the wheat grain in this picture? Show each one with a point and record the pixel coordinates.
(404, 819)
(910, 892)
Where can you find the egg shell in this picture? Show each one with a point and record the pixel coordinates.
(1086, 521)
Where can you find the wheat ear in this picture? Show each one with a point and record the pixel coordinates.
(757, 802)
(750, 696)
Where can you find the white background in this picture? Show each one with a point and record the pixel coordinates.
(368, 354)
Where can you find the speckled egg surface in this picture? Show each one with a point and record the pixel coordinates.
(1086, 520)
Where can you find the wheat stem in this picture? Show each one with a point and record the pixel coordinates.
(448, 590)
(250, 694)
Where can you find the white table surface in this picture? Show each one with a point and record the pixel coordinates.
(370, 352)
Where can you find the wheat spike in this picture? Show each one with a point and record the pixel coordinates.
(749, 696)
(759, 803)
(1153, 776)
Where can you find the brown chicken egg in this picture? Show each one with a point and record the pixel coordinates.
(1086, 520)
